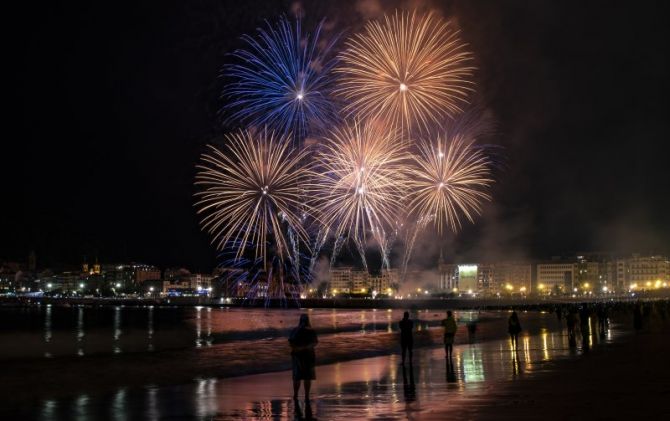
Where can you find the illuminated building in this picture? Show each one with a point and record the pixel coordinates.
(340, 280)
(467, 278)
(643, 272)
(556, 276)
(448, 274)
(143, 273)
(384, 282)
(511, 277)
(359, 281)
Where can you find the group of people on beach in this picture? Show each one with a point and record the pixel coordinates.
(303, 339)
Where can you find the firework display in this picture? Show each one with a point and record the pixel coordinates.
(407, 70)
(252, 195)
(358, 179)
(448, 178)
(282, 80)
(273, 202)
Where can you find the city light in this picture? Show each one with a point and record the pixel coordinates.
(118, 285)
(49, 285)
(81, 286)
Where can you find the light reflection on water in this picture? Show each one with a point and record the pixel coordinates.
(54, 331)
(370, 388)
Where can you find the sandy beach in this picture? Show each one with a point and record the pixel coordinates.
(486, 380)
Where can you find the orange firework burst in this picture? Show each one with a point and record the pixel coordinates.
(252, 193)
(448, 179)
(359, 182)
(406, 70)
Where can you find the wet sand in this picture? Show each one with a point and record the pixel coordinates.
(622, 376)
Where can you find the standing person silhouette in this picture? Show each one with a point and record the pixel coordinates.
(571, 320)
(450, 329)
(514, 328)
(302, 341)
(406, 340)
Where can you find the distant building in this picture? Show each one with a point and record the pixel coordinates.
(468, 279)
(119, 277)
(512, 277)
(644, 272)
(359, 281)
(143, 273)
(384, 282)
(558, 276)
(485, 277)
(448, 274)
(340, 280)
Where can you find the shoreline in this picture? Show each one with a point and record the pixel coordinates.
(502, 303)
(486, 385)
(68, 375)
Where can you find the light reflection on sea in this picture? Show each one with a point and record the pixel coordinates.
(371, 388)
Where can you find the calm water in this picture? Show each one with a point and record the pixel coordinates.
(49, 331)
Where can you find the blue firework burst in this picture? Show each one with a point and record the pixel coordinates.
(282, 79)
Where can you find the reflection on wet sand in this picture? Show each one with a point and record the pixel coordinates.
(376, 387)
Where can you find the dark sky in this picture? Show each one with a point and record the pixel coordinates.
(109, 107)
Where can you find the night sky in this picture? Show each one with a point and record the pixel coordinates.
(109, 108)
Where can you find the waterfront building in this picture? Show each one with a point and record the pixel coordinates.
(485, 277)
(143, 273)
(468, 279)
(448, 276)
(644, 272)
(359, 281)
(512, 277)
(340, 280)
(556, 277)
(385, 282)
(118, 277)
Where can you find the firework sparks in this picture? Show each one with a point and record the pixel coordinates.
(359, 182)
(252, 195)
(283, 79)
(406, 70)
(448, 179)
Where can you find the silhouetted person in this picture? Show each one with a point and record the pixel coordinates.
(450, 328)
(514, 328)
(571, 321)
(406, 340)
(303, 340)
(602, 319)
(584, 315)
(559, 314)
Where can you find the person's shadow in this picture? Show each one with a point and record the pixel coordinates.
(409, 388)
(298, 415)
(451, 374)
(516, 364)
